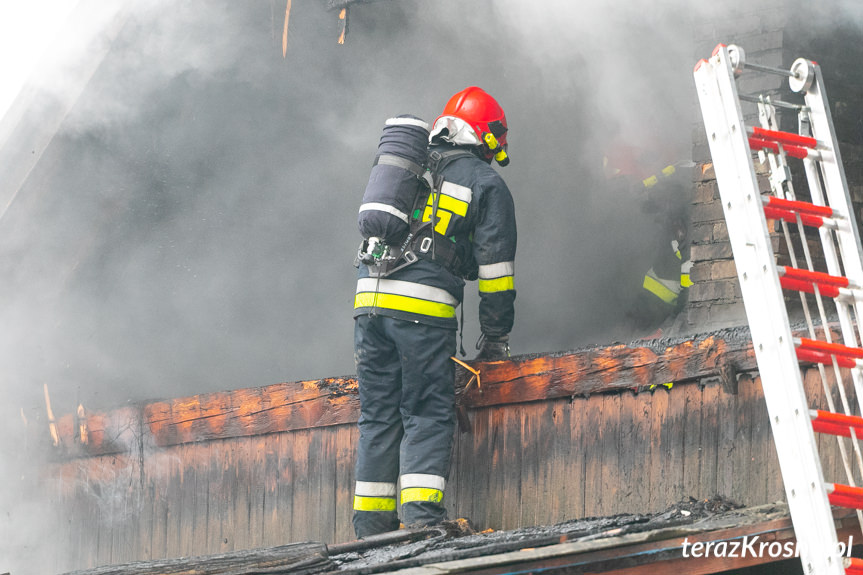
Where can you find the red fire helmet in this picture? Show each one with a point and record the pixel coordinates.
(480, 111)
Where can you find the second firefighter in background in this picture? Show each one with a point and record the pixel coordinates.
(405, 323)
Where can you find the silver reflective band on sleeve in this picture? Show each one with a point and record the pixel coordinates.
(375, 489)
(456, 191)
(409, 289)
(497, 270)
(407, 122)
(409, 480)
(385, 208)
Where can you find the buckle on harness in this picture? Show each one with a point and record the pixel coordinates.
(425, 244)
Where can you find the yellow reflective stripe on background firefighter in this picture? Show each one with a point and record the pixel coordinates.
(497, 277)
(422, 487)
(374, 496)
(405, 296)
(665, 290)
(685, 269)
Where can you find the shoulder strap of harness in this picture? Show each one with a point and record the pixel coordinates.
(424, 238)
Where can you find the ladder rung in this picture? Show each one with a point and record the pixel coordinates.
(771, 102)
(826, 347)
(824, 358)
(814, 277)
(845, 495)
(808, 287)
(798, 152)
(835, 423)
(784, 137)
(791, 218)
(853, 566)
(797, 206)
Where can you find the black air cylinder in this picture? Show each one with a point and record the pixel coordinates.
(395, 181)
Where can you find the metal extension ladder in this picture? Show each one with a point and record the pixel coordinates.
(837, 290)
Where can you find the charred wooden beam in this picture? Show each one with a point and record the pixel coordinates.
(634, 552)
(335, 401)
(607, 369)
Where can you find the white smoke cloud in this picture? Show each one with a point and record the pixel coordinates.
(190, 227)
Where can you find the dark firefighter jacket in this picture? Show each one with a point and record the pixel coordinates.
(475, 209)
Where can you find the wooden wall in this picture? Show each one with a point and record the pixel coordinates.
(520, 461)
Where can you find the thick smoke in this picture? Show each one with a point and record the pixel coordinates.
(191, 225)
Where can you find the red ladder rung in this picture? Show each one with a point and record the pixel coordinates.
(824, 358)
(797, 206)
(793, 151)
(835, 423)
(853, 566)
(845, 495)
(826, 347)
(791, 217)
(784, 137)
(808, 287)
(814, 277)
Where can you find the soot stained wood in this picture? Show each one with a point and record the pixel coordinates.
(334, 401)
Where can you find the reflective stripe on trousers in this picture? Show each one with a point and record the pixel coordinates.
(374, 496)
(417, 487)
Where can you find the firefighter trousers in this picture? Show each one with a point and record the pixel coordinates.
(407, 419)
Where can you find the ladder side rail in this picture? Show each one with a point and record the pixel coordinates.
(843, 309)
(831, 181)
(835, 183)
(764, 303)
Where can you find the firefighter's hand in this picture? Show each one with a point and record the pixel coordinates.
(492, 347)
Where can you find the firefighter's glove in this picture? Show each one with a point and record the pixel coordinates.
(492, 347)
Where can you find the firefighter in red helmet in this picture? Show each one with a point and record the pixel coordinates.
(405, 332)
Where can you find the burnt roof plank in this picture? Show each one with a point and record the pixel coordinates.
(334, 401)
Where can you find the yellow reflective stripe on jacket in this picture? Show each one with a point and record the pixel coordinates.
(497, 284)
(364, 503)
(660, 290)
(413, 494)
(448, 203)
(405, 296)
(403, 303)
(496, 277)
(685, 281)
